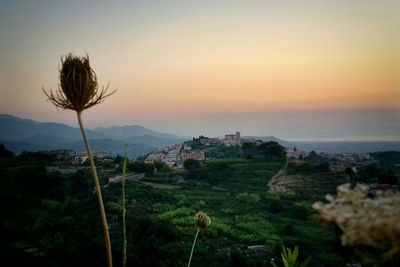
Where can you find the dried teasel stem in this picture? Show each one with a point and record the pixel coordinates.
(124, 207)
(98, 192)
(194, 243)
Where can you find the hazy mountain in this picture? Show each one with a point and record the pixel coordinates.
(21, 134)
(129, 131)
(140, 135)
(18, 147)
(22, 130)
(113, 147)
(155, 141)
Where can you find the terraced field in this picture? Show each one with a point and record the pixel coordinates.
(313, 185)
(243, 211)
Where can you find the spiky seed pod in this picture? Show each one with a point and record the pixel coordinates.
(202, 220)
(78, 87)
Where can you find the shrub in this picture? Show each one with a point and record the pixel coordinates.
(275, 205)
(248, 198)
(369, 224)
(289, 258)
(301, 210)
(288, 229)
(191, 164)
(330, 260)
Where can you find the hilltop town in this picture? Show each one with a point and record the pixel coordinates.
(175, 155)
(199, 148)
(206, 148)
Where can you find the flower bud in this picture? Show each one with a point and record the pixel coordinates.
(202, 220)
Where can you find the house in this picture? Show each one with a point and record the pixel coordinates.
(232, 139)
(100, 155)
(206, 141)
(80, 159)
(295, 153)
(195, 154)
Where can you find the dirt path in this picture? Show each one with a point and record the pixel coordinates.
(273, 185)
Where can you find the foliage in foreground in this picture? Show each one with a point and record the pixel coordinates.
(289, 258)
(370, 225)
(57, 213)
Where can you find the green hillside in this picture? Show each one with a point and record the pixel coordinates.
(52, 219)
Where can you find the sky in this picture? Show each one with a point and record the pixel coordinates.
(299, 70)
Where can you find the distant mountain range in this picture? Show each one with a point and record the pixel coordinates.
(20, 134)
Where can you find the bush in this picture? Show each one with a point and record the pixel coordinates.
(275, 205)
(330, 259)
(191, 164)
(248, 198)
(290, 259)
(301, 210)
(288, 229)
(299, 168)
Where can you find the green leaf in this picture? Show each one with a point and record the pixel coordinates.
(295, 254)
(284, 261)
(285, 255)
(304, 263)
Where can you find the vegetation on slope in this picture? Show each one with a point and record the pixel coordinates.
(50, 218)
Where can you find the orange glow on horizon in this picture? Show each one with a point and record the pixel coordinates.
(170, 59)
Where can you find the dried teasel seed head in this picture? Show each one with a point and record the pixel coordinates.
(78, 87)
(202, 220)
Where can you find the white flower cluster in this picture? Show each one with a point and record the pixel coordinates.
(364, 221)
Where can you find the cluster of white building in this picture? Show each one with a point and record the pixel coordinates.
(81, 158)
(175, 155)
(293, 152)
(169, 155)
(232, 139)
(345, 157)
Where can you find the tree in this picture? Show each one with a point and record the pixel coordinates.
(272, 150)
(161, 166)
(118, 159)
(149, 169)
(191, 164)
(249, 150)
(5, 153)
(352, 175)
(388, 178)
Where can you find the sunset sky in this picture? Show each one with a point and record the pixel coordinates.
(295, 69)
